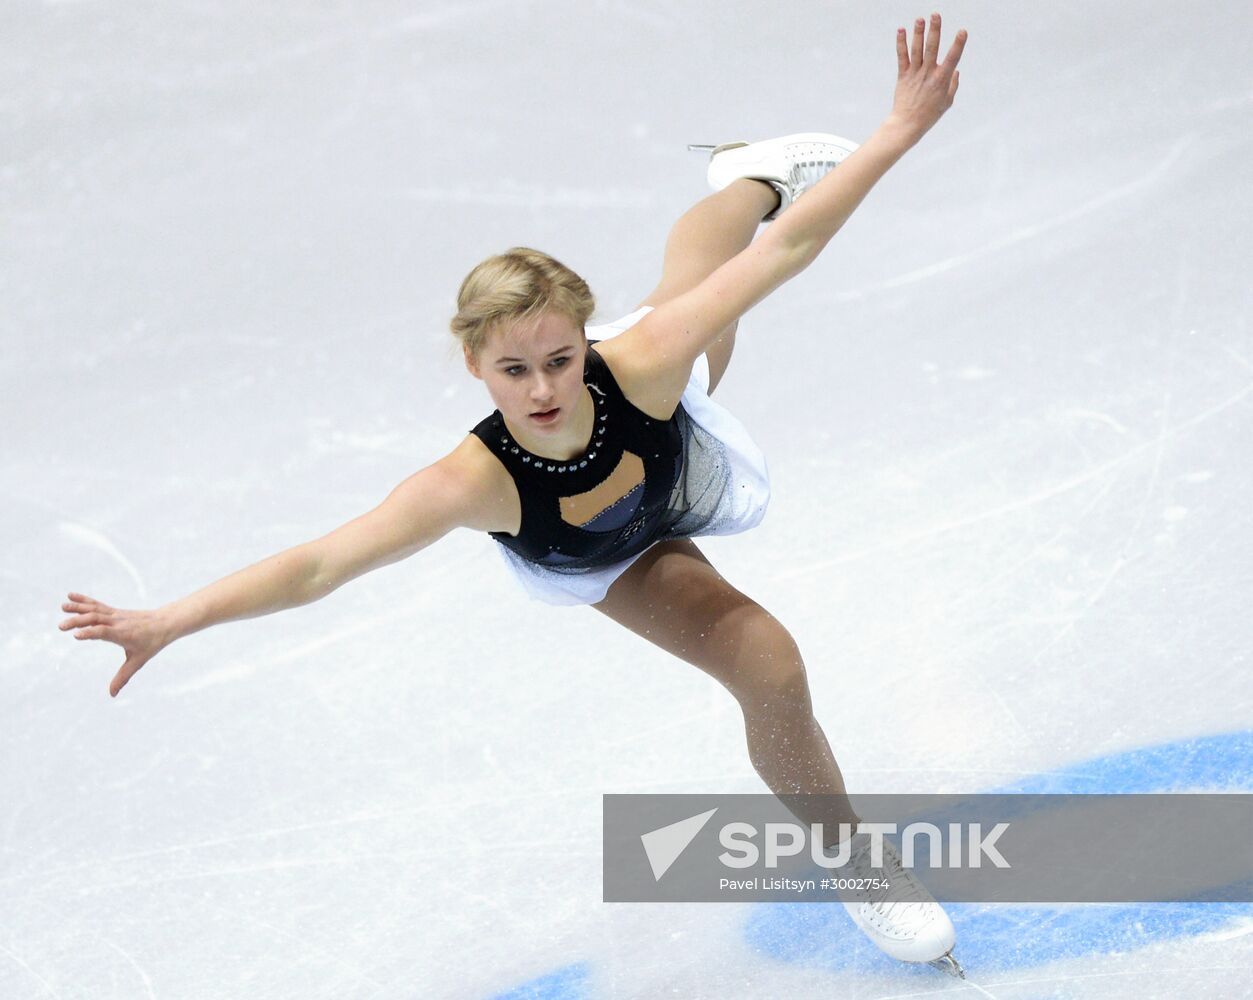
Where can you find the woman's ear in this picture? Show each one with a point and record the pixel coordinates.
(472, 363)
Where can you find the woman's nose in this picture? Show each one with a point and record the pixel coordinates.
(541, 389)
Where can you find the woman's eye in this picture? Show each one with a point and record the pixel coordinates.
(516, 370)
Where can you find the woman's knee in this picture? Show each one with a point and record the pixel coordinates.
(769, 671)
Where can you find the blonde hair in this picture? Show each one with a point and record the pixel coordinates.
(517, 285)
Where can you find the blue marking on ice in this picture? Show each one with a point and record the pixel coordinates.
(1002, 937)
(1222, 763)
(988, 937)
(568, 983)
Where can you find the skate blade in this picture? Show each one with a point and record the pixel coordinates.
(700, 147)
(947, 963)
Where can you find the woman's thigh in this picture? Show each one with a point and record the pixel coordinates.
(674, 597)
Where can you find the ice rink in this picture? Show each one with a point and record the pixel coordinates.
(1007, 416)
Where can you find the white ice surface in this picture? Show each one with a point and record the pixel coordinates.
(1007, 416)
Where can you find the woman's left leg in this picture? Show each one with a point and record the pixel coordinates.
(674, 598)
(706, 236)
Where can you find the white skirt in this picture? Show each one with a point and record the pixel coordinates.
(742, 505)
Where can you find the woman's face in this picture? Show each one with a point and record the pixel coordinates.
(534, 372)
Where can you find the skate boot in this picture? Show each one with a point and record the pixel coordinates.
(901, 917)
(791, 164)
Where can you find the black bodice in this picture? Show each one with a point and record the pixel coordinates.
(630, 523)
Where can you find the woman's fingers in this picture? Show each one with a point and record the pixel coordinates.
(81, 602)
(932, 47)
(90, 617)
(129, 669)
(955, 50)
(79, 621)
(926, 46)
(135, 631)
(77, 627)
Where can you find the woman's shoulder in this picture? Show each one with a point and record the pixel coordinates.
(650, 379)
(488, 490)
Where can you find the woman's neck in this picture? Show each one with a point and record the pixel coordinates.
(567, 445)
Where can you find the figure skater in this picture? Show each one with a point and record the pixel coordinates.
(606, 455)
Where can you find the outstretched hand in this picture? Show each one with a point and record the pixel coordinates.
(141, 634)
(924, 88)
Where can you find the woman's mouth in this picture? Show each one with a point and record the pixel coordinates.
(546, 416)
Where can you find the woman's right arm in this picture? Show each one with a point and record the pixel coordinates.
(460, 490)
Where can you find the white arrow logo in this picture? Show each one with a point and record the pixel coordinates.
(664, 846)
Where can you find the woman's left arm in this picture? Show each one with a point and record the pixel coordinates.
(679, 331)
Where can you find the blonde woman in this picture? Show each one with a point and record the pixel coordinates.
(606, 455)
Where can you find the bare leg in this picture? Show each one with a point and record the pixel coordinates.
(706, 236)
(675, 599)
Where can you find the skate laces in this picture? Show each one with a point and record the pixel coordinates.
(813, 161)
(804, 175)
(903, 899)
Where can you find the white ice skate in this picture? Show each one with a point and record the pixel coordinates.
(901, 918)
(791, 164)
